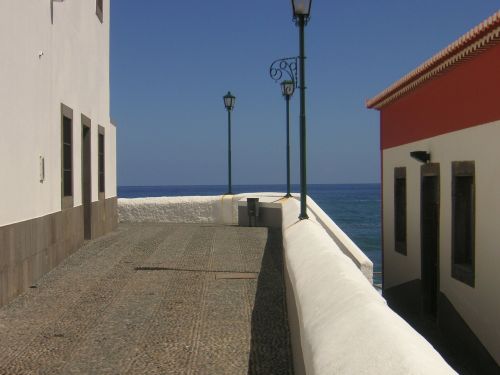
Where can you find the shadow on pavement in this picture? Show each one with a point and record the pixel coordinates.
(270, 351)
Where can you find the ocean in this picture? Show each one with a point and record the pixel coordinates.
(355, 208)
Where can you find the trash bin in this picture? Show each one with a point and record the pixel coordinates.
(253, 211)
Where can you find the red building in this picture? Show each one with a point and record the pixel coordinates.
(440, 149)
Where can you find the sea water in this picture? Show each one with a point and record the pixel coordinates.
(355, 208)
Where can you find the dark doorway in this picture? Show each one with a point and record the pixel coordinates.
(430, 238)
(86, 178)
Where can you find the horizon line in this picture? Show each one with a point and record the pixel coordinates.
(264, 184)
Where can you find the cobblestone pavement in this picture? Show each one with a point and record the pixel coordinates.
(155, 299)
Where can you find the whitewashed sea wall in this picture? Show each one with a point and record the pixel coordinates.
(338, 322)
(207, 210)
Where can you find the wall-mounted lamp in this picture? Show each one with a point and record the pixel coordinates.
(421, 156)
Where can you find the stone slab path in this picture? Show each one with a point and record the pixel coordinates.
(155, 299)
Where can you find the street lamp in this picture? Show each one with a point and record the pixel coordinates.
(229, 101)
(286, 67)
(301, 8)
(301, 14)
(287, 89)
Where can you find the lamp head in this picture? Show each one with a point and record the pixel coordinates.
(421, 156)
(229, 101)
(301, 8)
(287, 88)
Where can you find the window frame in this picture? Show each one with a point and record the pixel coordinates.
(99, 10)
(460, 271)
(400, 246)
(67, 201)
(101, 175)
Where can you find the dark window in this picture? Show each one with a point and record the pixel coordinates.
(99, 10)
(400, 210)
(463, 221)
(67, 130)
(66, 157)
(101, 160)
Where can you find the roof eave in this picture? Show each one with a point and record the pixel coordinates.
(475, 41)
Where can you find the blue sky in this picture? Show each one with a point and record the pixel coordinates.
(172, 61)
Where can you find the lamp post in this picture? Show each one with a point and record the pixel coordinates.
(229, 101)
(287, 89)
(301, 14)
(286, 67)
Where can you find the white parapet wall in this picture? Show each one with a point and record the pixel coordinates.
(219, 209)
(208, 210)
(342, 240)
(339, 324)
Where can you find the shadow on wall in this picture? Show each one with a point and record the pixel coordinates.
(270, 350)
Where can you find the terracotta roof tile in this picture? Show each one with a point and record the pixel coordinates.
(474, 41)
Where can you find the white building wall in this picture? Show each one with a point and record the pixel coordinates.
(479, 306)
(110, 169)
(42, 66)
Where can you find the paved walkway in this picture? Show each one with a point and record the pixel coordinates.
(155, 299)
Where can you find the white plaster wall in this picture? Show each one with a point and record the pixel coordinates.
(23, 82)
(110, 162)
(479, 306)
(171, 210)
(345, 325)
(73, 70)
(399, 268)
(220, 209)
(343, 241)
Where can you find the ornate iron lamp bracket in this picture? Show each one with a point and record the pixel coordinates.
(284, 67)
